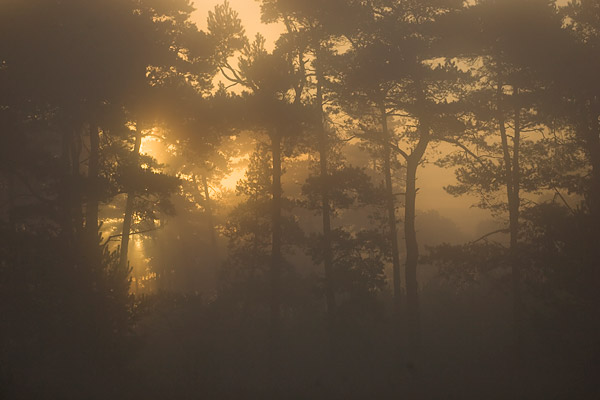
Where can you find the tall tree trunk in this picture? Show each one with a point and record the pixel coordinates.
(209, 213)
(276, 258)
(594, 151)
(130, 203)
(325, 204)
(211, 228)
(410, 237)
(590, 133)
(77, 198)
(11, 195)
(71, 216)
(92, 207)
(512, 173)
(66, 218)
(412, 251)
(515, 206)
(391, 211)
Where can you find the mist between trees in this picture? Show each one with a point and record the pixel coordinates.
(274, 235)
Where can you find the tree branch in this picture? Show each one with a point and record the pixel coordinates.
(503, 230)
(110, 238)
(563, 199)
(399, 150)
(465, 148)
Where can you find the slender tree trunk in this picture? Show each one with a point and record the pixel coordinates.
(66, 218)
(11, 194)
(211, 229)
(76, 199)
(590, 133)
(130, 203)
(594, 151)
(209, 213)
(276, 258)
(412, 251)
(391, 211)
(92, 207)
(325, 205)
(71, 216)
(514, 229)
(512, 168)
(410, 237)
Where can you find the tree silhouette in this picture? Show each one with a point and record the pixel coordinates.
(113, 132)
(398, 40)
(506, 103)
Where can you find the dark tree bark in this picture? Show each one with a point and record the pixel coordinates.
(211, 229)
(11, 194)
(594, 151)
(276, 239)
(76, 193)
(412, 250)
(514, 229)
(66, 189)
(589, 131)
(410, 235)
(129, 204)
(391, 211)
(325, 203)
(92, 207)
(209, 213)
(512, 172)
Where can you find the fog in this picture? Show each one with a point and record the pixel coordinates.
(298, 199)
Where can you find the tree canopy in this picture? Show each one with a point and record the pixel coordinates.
(194, 212)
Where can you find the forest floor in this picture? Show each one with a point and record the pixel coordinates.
(192, 351)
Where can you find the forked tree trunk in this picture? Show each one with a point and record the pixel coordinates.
(410, 235)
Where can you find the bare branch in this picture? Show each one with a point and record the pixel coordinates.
(110, 238)
(463, 147)
(349, 138)
(504, 230)
(399, 150)
(559, 194)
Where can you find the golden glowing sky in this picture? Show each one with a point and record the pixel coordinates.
(249, 12)
(431, 179)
